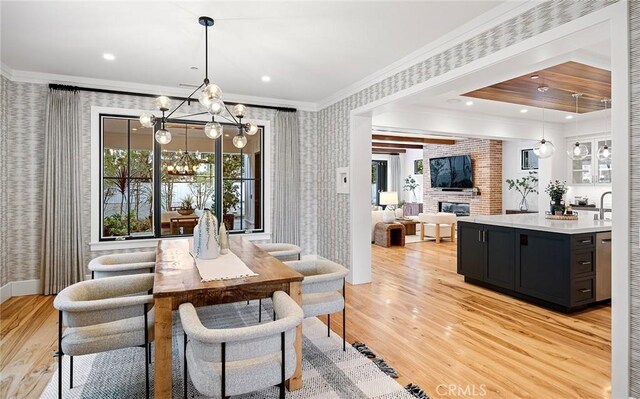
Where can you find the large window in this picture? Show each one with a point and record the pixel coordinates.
(145, 195)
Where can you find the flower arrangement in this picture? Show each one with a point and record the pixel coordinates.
(524, 186)
(556, 190)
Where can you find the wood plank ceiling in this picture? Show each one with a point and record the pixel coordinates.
(394, 144)
(563, 80)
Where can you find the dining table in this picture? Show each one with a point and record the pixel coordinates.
(178, 281)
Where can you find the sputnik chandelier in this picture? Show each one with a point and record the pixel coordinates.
(210, 98)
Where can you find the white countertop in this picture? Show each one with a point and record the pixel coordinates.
(537, 221)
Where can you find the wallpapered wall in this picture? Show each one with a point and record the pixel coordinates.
(634, 23)
(21, 195)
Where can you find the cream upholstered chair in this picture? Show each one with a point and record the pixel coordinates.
(439, 225)
(123, 264)
(234, 361)
(323, 281)
(103, 315)
(282, 251)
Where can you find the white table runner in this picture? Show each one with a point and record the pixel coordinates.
(224, 267)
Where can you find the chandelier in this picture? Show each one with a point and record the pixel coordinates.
(210, 98)
(184, 164)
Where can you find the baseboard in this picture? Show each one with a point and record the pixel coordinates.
(5, 292)
(19, 288)
(26, 287)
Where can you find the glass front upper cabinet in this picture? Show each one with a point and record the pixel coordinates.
(590, 170)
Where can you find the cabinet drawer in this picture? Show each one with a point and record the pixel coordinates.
(582, 241)
(583, 291)
(583, 262)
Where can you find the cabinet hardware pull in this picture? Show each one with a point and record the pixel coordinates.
(584, 290)
(585, 263)
(484, 236)
(479, 235)
(606, 240)
(585, 241)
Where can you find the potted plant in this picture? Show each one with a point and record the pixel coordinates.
(524, 186)
(410, 184)
(230, 200)
(556, 190)
(187, 206)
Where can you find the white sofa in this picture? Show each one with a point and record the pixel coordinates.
(438, 225)
(376, 217)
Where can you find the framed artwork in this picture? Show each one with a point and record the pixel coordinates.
(417, 167)
(528, 160)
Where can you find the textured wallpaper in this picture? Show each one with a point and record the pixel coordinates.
(21, 193)
(635, 196)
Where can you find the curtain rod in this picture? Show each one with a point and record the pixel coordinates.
(132, 93)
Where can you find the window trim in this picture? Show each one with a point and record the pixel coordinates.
(95, 181)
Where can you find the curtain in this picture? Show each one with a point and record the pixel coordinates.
(394, 171)
(62, 243)
(286, 198)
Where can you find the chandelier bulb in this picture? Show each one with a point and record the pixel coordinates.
(240, 141)
(239, 110)
(216, 107)
(163, 136)
(251, 129)
(213, 130)
(163, 103)
(147, 119)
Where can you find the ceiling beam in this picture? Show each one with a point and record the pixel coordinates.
(382, 137)
(394, 145)
(388, 151)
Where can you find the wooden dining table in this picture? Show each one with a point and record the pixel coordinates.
(178, 281)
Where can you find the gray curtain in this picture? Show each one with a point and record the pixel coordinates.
(286, 197)
(394, 173)
(62, 244)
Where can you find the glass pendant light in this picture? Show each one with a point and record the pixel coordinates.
(604, 152)
(543, 148)
(213, 130)
(240, 141)
(163, 136)
(147, 119)
(251, 129)
(579, 151)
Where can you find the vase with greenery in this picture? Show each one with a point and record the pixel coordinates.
(206, 242)
(186, 207)
(410, 185)
(524, 186)
(556, 190)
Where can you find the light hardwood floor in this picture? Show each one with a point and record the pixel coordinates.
(451, 338)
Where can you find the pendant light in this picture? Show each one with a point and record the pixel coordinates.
(543, 148)
(579, 151)
(184, 164)
(604, 152)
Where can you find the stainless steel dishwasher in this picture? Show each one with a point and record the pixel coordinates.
(603, 266)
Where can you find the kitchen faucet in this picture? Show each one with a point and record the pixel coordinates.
(602, 204)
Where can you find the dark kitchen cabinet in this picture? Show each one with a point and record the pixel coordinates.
(486, 253)
(550, 269)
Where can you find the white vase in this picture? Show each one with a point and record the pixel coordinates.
(205, 237)
(388, 216)
(399, 213)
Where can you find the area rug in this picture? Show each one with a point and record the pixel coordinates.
(327, 371)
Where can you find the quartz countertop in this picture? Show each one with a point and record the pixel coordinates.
(537, 221)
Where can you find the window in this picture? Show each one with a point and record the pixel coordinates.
(144, 195)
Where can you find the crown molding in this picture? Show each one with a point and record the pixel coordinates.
(466, 31)
(48, 78)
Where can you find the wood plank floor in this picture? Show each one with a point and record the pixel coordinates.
(451, 338)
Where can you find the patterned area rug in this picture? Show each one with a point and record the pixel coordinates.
(328, 372)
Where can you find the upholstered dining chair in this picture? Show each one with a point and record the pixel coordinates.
(323, 281)
(123, 264)
(103, 315)
(234, 361)
(282, 251)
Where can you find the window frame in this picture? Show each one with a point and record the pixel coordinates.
(98, 244)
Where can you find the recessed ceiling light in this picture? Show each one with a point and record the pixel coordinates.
(266, 78)
(195, 68)
(534, 77)
(226, 135)
(134, 129)
(108, 56)
(469, 103)
(569, 117)
(524, 111)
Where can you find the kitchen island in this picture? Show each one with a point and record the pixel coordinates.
(560, 264)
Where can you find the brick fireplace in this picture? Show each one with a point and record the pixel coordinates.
(486, 159)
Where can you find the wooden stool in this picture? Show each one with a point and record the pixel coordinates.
(388, 234)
